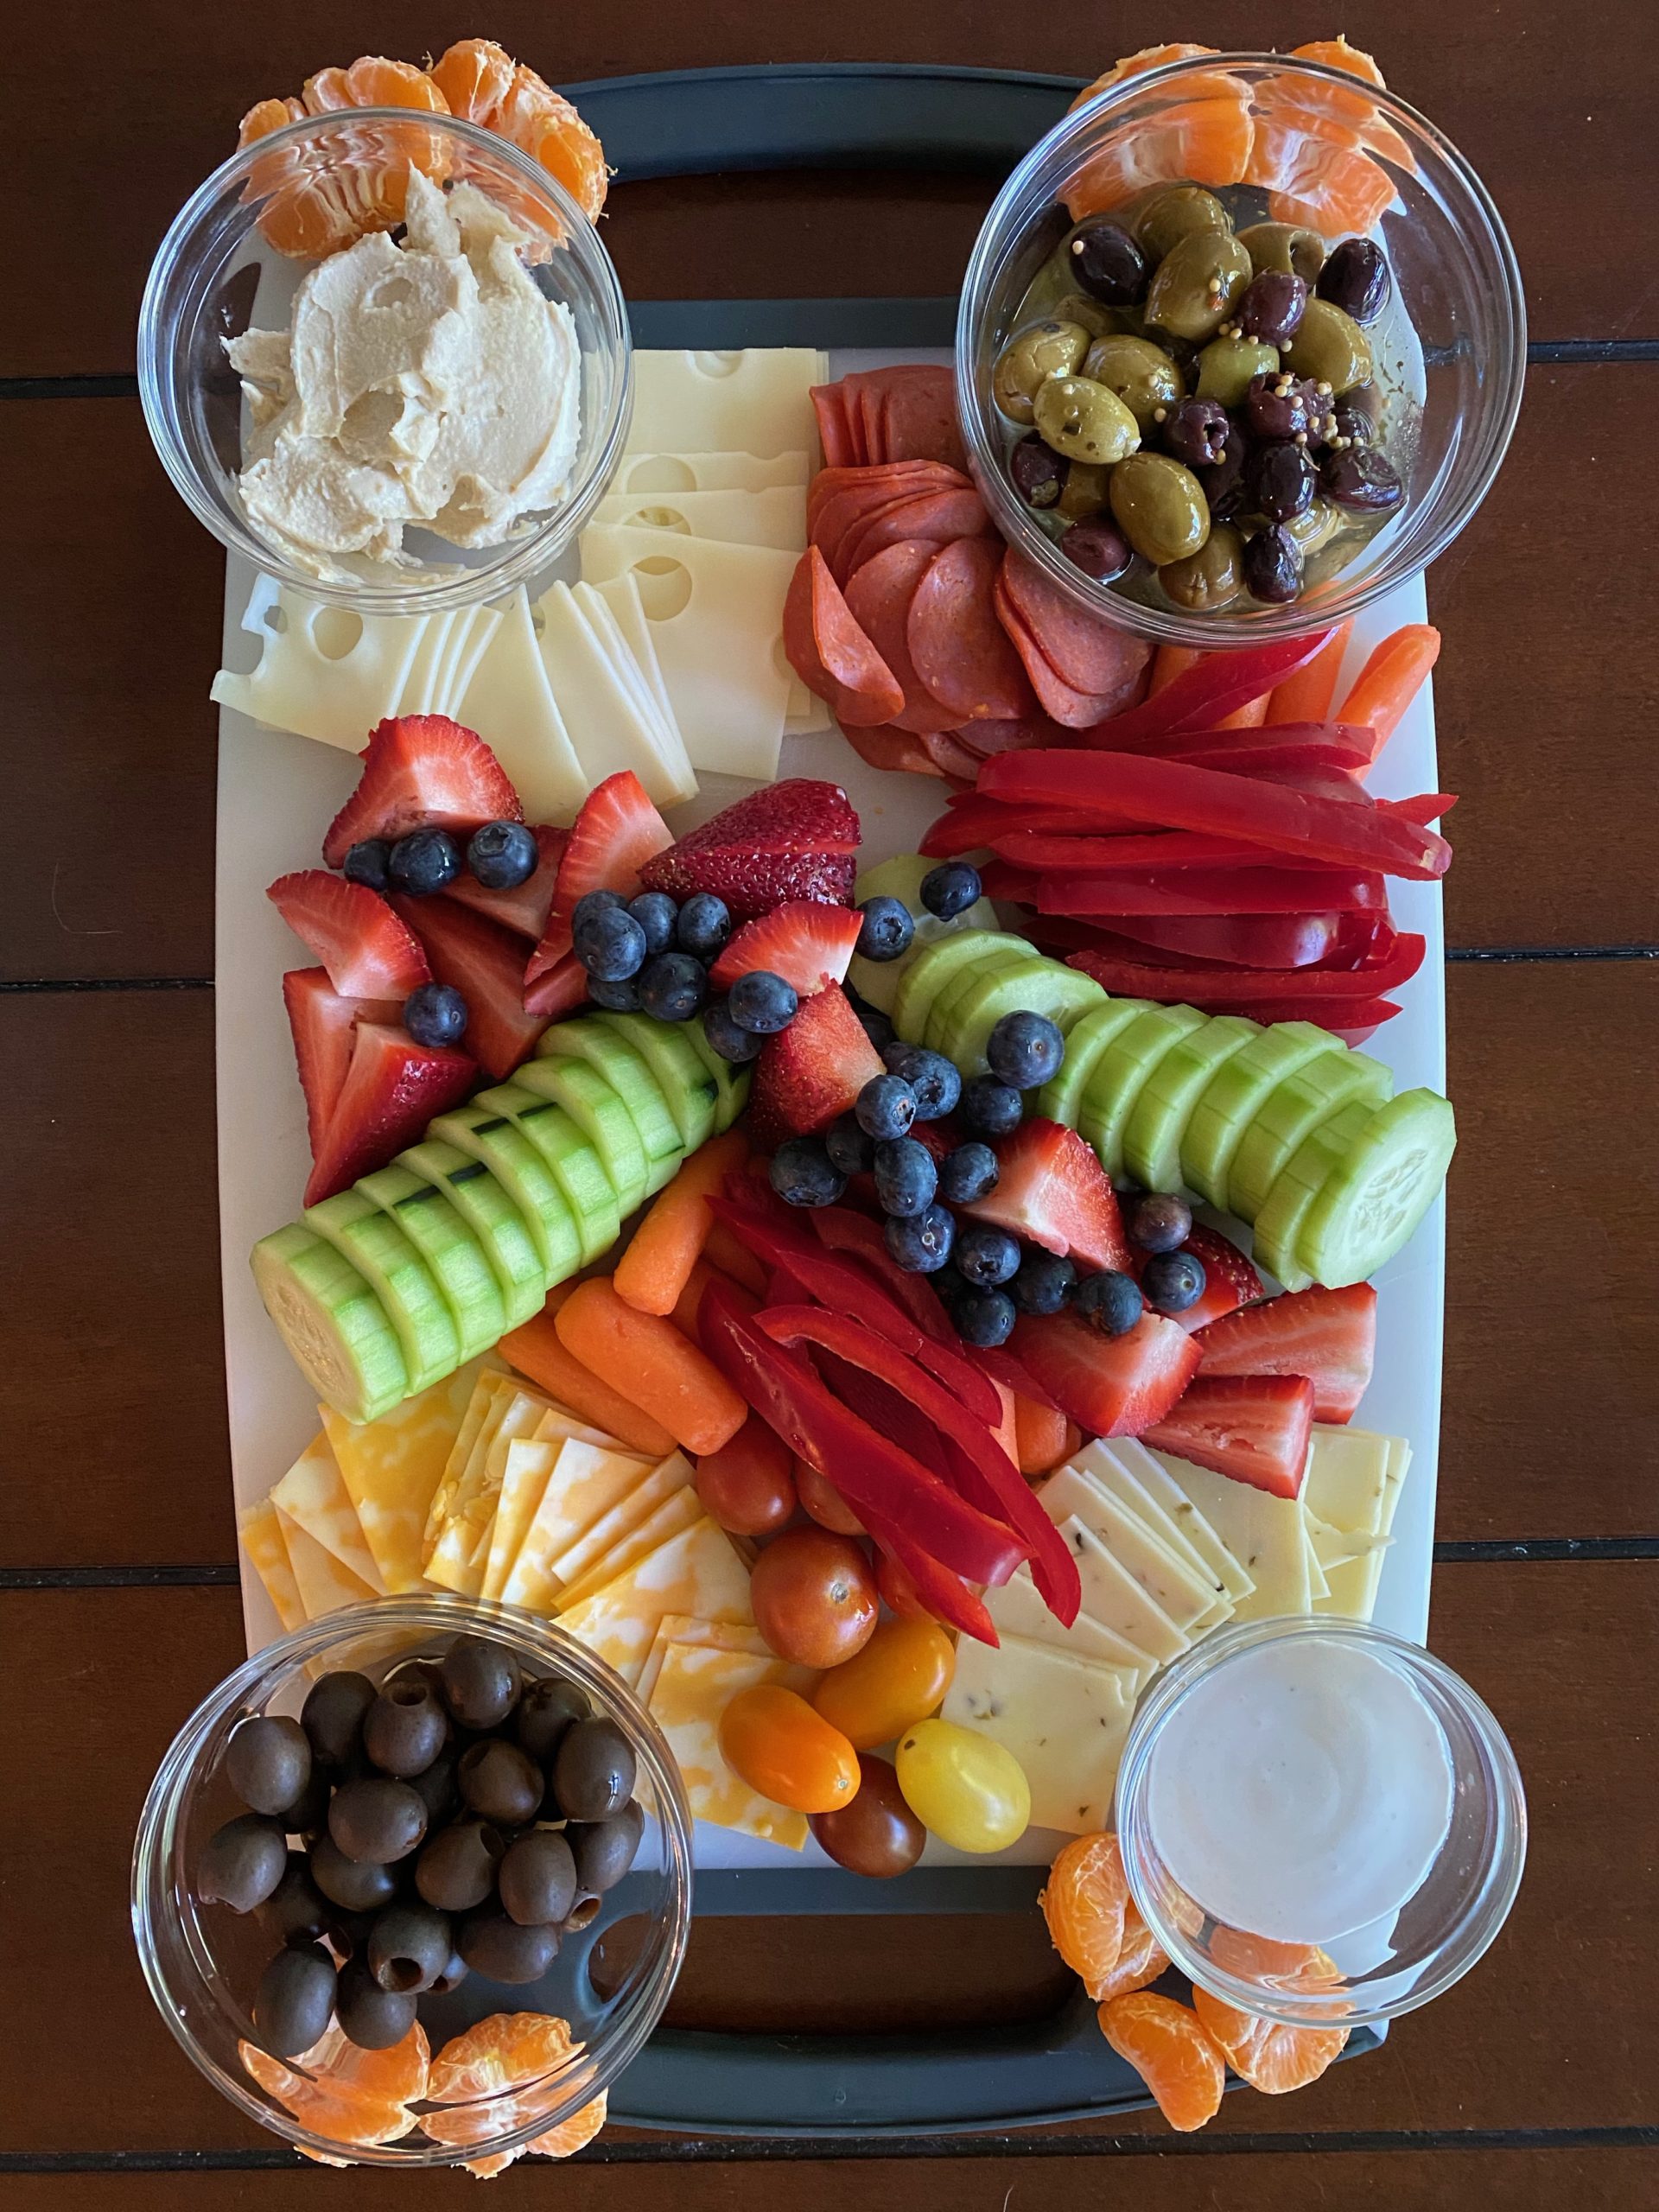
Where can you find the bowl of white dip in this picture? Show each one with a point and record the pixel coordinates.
(384, 356)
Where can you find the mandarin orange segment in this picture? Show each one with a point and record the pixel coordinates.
(573, 2134)
(1267, 2055)
(500, 2053)
(1084, 1902)
(474, 76)
(332, 2105)
(544, 125)
(1150, 57)
(1171, 2052)
(317, 201)
(1265, 1958)
(373, 81)
(1140, 1962)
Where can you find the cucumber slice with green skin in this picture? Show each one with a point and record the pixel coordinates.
(944, 1022)
(901, 877)
(400, 1279)
(1121, 1074)
(573, 1164)
(1234, 1096)
(1293, 1110)
(600, 1114)
(1279, 1224)
(493, 1218)
(1085, 1040)
(1152, 1136)
(332, 1321)
(1059, 993)
(450, 1249)
(629, 1074)
(731, 1084)
(524, 1176)
(926, 975)
(1373, 1199)
(683, 1080)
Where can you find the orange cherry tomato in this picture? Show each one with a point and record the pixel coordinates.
(773, 1739)
(898, 1677)
(747, 1485)
(820, 1497)
(899, 1593)
(814, 1597)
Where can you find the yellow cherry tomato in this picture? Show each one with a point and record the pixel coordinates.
(964, 1789)
(773, 1739)
(899, 1676)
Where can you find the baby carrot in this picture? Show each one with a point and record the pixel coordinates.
(721, 1249)
(1306, 696)
(536, 1352)
(1170, 662)
(684, 1316)
(1251, 715)
(1391, 680)
(1041, 1432)
(673, 1381)
(669, 1242)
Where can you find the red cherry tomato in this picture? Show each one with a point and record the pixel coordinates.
(820, 1497)
(747, 1485)
(814, 1597)
(877, 1835)
(898, 1590)
(773, 1739)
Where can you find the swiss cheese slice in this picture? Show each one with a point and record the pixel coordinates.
(524, 1479)
(776, 517)
(678, 1510)
(1065, 1719)
(685, 1628)
(621, 596)
(757, 402)
(313, 1495)
(601, 712)
(324, 1585)
(694, 1686)
(709, 472)
(696, 1572)
(1121, 1478)
(1019, 1609)
(589, 1551)
(1113, 1597)
(1186, 1598)
(1264, 1534)
(262, 1539)
(392, 1467)
(588, 1480)
(509, 704)
(323, 672)
(639, 673)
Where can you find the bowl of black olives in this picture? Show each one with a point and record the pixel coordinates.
(394, 1825)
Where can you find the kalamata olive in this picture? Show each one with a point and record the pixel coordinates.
(1196, 432)
(1356, 279)
(1039, 472)
(373, 2017)
(1223, 485)
(435, 1787)
(604, 1850)
(1098, 548)
(408, 1947)
(548, 1708)
(456, 1870)
(1107, 264)
(1281, 405)
(538, 1877)
(268, 1762)
(1272, 306)
(501, 1781)
(593, 1774)
(501, 1950)
(585, 1911)
(454, 1972)
(358, 1885)
(297, 1908)
(377, 1821)
(242, 1863)
(1281, 480)
(480, 1682)
(1359, 478)
(1273, 565)
(1352, 424)
(295, 1999)
(405, 1729)
(332, 1715)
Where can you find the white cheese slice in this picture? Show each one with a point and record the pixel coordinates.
(1186, 1598)
(709, 472)
(1019, 1609)
(392, 1466)
(758, 401)
(422, 692)
(1113, 1597)
(776, 518)
(323, 672)
(524, 1478)
(1264, 1534)
(510, 702)
(1106, 1464)
(696, 1572)
(606, 728)
(685, 1628)
(469, 641)
(643, 684)
(261, 1534)
(1065, 1719)
(621, 595)
(695, 1684)
(313, 1495)
(324, 1585)
(1143, 1467)
(589, 1551)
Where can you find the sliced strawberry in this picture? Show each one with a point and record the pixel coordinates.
(1330, 1336)
(812, 1071)
(1111, 1386)
(806, 943)
(615, 834)
(323, 1025)
(796, 840)
(422, 771)
(524, 908)
(561, 991)
(1230, 1280)
(1052, 1187)
(486, 964)
(366, 950)
(392, 1090)
(1253, 1428)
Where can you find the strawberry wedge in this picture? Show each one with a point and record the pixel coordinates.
(1330, 1336)
(1229, 1281)
(526, 906)
(486, 963)
(798, 839)
(616, 833)
(368, 952)
(806, 943)
(812, 1071)
(422, 771)
(324, 1028)
(1052, 1188)
(392, 1090)
(1253, 1428)
(1111, 1386)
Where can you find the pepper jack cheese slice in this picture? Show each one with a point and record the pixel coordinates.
(695, 1684)
(1019, 1609)
(756, 402)
(1113, 1597)
(1266, 1535)
(392, 1467)
(685, 1628)
(325, 1586)
(314, 1496)
(1121, 1478)
(696, 1572)
(710, 472)
(1347, 1481)
(1145, 1469)
(1186, 1598)
(262, 1539)
(1065, 1719)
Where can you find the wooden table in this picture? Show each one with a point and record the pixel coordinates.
(1535, 2082)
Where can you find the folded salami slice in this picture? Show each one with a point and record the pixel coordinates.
(961, 652)
(831, 653)
(936, 753)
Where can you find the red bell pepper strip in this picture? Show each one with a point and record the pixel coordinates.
(843, 1230)
(1200, 695)
(1200, 891)
(940, 1593)
(973, 820)
(1237, 940)
(888, 1411)
(999, 1363)
(877, 1480)
(1277, 760)
(1427, 806)
(997, 1481)
(1245, 989)
(1156, 848)
(1232, 738)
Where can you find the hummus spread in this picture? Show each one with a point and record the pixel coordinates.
(427, 384)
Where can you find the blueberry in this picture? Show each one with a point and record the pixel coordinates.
(968, 1173)
(878, 1026)
(621, 996)
(1044, 1283)
(950, 890)
(989, 1108)
(704, 924)
(1025, 1050)
(921, 1241)
(594, 902)
(905, 1178)
(655, 914)
(949, 1285)
(984, 1318)
(610, 944)
(1173, 1281)
(423, 862)
(762, 1002)
(986, 1255)
(932, 1077)
(673, 986)
(367, 863)
(435, 1013)
(1110, 1302)
(1159, 1223)
(731, 1042)
(886, 1107)
(503, 855)
(803, 1174)
(847, 1146)
(888, 929)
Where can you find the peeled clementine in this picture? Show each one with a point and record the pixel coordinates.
(1171, 2052)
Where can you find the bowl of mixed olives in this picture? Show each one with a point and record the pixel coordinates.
(1219, 410)
(421, 1812)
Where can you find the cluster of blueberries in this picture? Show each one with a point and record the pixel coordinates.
(650, 954)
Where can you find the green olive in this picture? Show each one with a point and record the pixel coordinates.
(1142, 374)
(1160, 507)
(1285, 246)
(1316, 526)
(1098, 320)
(1227, 365)
(1084, 420)
(1198, 284)
(1049, 348)
(1331, 347)
(1174, 211)
(1086, 492)
(1213, 576)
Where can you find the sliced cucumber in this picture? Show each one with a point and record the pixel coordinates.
(524, 1175)
(333, 1322)
(1085, 1040)
(1373, 1199)
(672, 1057)
(1279, 1224)
(901, 878)
(630, 1076)
(600, 1114)
(1293, 1110)
(1233, 1096)
(574, 1164)
(494, 1218)
(1000, 957)
(457, 1260)
(1120, 1074)
(731, 1084)
(1152, 1136)
(395, 1271)
(1049, 988)
(925, 976)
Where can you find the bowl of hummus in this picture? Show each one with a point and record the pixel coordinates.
(385, 357)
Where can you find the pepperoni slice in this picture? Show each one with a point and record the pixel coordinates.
(831, 653)
(878, 598)
(909, 413)
(1076, 709)
(938, 515)
(936, 753)
(843, 511)
(1088, 653)
(961, 652)
(835, 431)
(891, 476)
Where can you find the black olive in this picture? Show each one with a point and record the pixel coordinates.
(593, 1775)
(1358, 477)
(332, 1716)
(454, 1972)
(242, 1863)
(604, 1850)
(297, 1908)
(1279, 406)
(307, 1815)
(1099, 549)
(1281, 479)
(456, 1870)
(268, 1762)
(377, 1819)
(547, 1708)
(1356, 279)
(1195, 432)
(295, 1999)
(1039, 472)
(435, 1787)
(1273, 565)
(501, 1950)
(1107, 264)
(538, 1877)
(503, 1783)
(405, 1729)
(582, 1914)
(371, 2018)
(409, 1948)
(480, 1682)
(1273, 306)
(356, 1885)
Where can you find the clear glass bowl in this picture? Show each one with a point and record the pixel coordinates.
(1458, 319)
(1397, 1963)
(202, 1962)
(216, 274)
